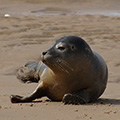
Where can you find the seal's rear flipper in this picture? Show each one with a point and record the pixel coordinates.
(37, 93)
(28, 73)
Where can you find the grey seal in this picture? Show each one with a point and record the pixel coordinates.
(70, 71)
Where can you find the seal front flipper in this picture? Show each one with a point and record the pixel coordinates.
(73, 99)
(37, 93)
(15, 98)
(80, 97)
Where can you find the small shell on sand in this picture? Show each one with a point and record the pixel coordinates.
(6, 15)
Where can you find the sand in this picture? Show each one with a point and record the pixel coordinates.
(31, 28)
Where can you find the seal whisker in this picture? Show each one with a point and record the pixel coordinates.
(66, 65)
(61, 66)
(57, 65)
(64, 68)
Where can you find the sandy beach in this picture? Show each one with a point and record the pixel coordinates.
(29, 27)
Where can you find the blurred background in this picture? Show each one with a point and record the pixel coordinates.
(40, 7)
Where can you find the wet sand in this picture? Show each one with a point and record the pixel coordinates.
(31, 29)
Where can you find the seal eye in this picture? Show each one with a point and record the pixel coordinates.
(61, 48)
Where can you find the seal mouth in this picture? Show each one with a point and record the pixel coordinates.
(42, 58)
(46, 58)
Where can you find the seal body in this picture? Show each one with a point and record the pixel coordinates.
(69, 71)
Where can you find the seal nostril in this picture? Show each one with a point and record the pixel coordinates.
(44, 53)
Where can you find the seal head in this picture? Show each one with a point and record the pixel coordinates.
(66, 53)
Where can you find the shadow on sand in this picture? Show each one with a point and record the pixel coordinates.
(101, 101)
(106, 101)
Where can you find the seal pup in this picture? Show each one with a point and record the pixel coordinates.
(69, 71)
